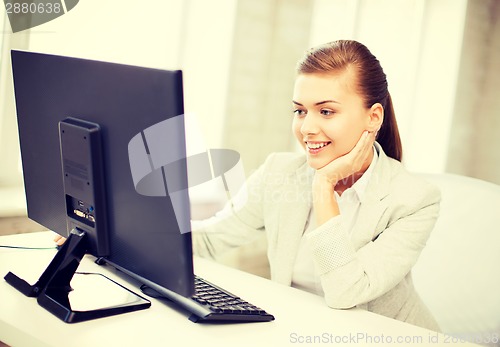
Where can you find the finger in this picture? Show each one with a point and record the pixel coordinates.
(367, 149)
(59, 240)
(363, 145)
(364, 139)
(370, 140)
(363, 149)
(358, 147)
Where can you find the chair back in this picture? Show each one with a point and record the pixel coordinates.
(458, 272)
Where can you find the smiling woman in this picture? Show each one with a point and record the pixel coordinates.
(344, 220)
(328, 128)
(359, 88)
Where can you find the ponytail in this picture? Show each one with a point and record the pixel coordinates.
(388, 135)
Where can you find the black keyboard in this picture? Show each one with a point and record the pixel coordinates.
(211, 303)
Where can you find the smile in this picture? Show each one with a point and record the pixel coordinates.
(316, 147)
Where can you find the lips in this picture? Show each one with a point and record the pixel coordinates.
(314, 147)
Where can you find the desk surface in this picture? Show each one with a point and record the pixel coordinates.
(301, 318)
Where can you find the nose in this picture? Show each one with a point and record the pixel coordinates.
(309, 125)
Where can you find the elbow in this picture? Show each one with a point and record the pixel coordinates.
(340, 302)
(350, 295)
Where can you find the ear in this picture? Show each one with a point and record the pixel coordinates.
(375, 117)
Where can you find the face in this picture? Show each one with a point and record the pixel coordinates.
(329, 116)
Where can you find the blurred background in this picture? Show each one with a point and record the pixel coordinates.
(442, 59)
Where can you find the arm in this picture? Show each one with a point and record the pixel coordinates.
(350, 277)
(238, 223)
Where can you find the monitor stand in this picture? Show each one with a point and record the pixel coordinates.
(84, 192)
(54, 292)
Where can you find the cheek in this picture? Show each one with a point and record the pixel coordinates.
(296, 125)
(336, 131)
(344, 136)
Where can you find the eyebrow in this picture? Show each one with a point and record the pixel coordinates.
(318, 103)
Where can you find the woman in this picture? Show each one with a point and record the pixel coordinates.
(346, 220)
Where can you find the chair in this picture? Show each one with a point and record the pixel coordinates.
(458, 272)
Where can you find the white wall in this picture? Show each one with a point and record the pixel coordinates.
(9, 145)
(205, 59)
(112, 31)
(436, 84)
(418, 43)
(474, 143)
(193, 35)
(270, 36)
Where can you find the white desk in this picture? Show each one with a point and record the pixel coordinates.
(300, 316)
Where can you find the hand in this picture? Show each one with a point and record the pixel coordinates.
(59, 240)
(326, 178)
(348, 164)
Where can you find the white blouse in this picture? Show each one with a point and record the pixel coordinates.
(304, 274)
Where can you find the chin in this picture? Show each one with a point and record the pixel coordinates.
(316, 163)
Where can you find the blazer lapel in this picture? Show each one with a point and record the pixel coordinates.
(372, 207)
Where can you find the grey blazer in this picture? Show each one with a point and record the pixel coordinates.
(368, 267)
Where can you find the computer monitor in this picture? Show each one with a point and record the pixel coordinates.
(103, 156)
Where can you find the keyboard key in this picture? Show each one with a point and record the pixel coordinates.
(224, 305)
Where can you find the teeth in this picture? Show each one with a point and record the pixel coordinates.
(316, 145)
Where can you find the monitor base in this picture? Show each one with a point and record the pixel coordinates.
(54, 292)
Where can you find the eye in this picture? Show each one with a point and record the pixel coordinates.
(299, 113)
(326, 112)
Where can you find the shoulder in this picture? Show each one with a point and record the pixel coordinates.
(410, 188)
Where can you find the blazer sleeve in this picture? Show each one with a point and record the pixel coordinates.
(352, 276)
(240, 222)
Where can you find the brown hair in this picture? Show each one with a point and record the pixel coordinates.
(371, 81)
